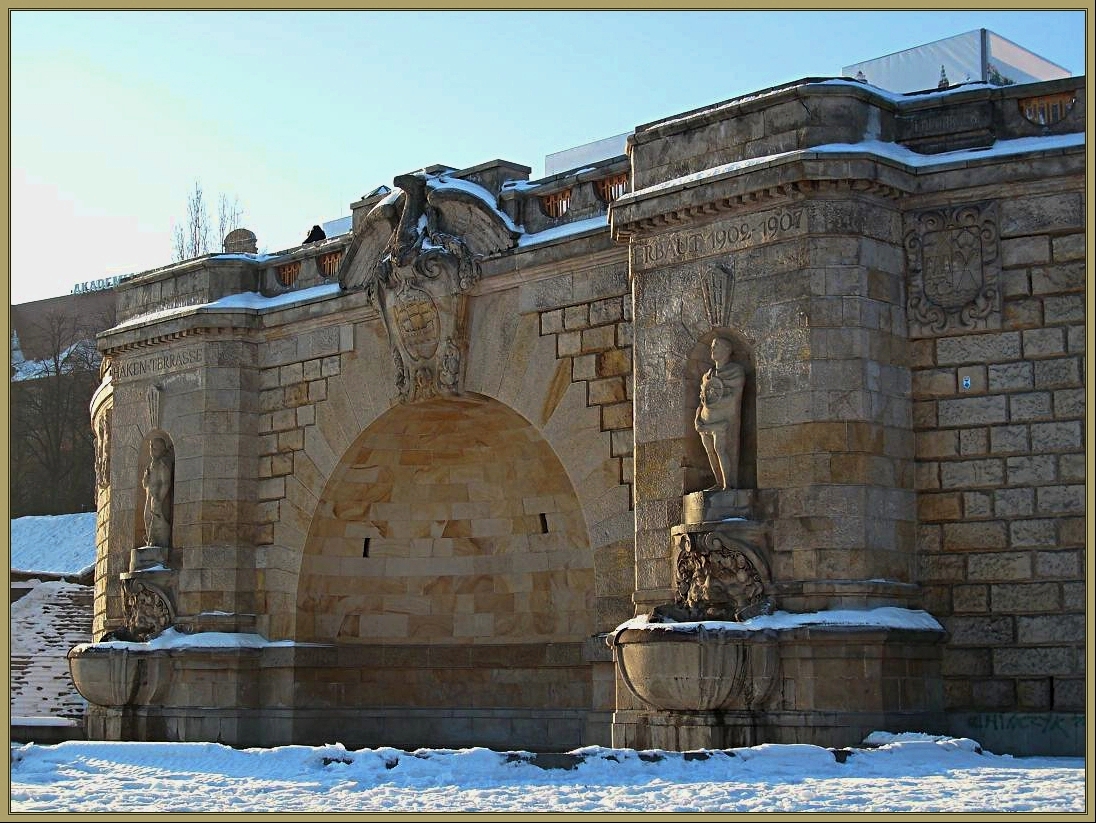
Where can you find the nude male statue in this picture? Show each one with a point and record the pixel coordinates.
(719, 415)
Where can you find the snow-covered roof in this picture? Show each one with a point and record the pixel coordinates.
(55, 544)
(46, 622)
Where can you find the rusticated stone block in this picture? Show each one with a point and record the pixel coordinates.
(606, 390)
(966, 411)
(616, 416)
(1028, 662)
(1036, 470)
(1063, 277)
(1059, 372)
(1058, 564)
(975, 536)
(939, 506)
(1066, 308)
(996, 566)
(940, 567)
(1047, 437)
(1032, 406)
(1071, 531)
(1050, 628)
(934, 383)
(1033, 533)
(973, 441)
(1034, 693)
(1041, 214)
(1019, 598)
(1069, 247)
(966, 663)
(1069, 403)
(1060, 499)
(1024, 251)
(1069, 694)
(980, 631)
(1013, 502)
(994, 694)
(978, 349)
(598, 339)
(971, 473)
(1044, 342)
(1015, 283)
(977, 504)
(966, 599)
(1011, 377)
(937, 444)
(1007, 439)
(1022, 314)
(551, 322)
(576, 317)
(614, 362)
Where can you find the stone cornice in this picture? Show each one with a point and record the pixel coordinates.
(502, 281)
(750, 199)
(803, 173)
(130, 343)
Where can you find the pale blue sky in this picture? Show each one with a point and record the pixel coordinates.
(114, 115)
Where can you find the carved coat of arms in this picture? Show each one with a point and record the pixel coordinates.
(954, 267)
(416, 255)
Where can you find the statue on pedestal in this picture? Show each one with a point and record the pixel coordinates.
(157, 482)
(719, 416)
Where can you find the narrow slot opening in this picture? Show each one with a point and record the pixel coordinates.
(365, 547)
(543, 523)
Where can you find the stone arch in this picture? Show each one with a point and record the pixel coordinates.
(451, 521)
(698, 475)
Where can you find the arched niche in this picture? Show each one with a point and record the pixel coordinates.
(450, 521)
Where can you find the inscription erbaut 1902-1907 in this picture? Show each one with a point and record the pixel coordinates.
(717, 238)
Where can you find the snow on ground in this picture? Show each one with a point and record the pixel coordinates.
(907, 773)
(60, 544)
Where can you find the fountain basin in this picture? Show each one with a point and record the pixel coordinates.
(697, 668)
(115, 676)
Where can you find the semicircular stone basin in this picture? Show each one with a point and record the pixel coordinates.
(698, 669)
(112, 676)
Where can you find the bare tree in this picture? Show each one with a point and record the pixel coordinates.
(193, 238)
(52, 448)
(229, 215)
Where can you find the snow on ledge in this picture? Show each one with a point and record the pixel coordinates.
(248, 300)
(68, 722)
(173, 639)
(256, 301)
(880, 149)
(599, 221)
(445, 181)
(884, 617)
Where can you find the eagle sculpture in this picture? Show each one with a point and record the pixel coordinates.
(415, 255)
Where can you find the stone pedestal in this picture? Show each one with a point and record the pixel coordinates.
(716, 506)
